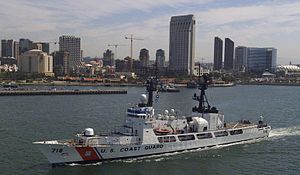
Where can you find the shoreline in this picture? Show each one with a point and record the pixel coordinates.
(138, 84)
(270, 84)
(81, 84)
(59, 92)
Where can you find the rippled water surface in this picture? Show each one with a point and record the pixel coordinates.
(27, 119)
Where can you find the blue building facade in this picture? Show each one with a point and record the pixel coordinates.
(261, 59)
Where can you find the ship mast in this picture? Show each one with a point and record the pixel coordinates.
(152, 86)
(203, 106)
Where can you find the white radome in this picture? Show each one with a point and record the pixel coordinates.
(143, 98)
(89, 132)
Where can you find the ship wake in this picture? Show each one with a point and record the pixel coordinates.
(283, 132)
(88, 164)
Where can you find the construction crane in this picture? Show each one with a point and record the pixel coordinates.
(116, 46)
(131, 42)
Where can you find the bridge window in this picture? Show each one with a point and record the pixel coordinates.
(221, 134)
(235, 132)
(186, 137)
(166, 139)
(204, 136)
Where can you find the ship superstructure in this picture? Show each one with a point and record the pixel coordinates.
(146, 132)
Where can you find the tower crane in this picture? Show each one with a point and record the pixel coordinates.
(116, 46)
(131, 38)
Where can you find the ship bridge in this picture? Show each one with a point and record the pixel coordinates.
(140, 112)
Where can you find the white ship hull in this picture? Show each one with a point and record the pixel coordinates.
(58, 152)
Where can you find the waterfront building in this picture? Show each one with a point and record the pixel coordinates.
(108, 58)
(125, 65)
(43, 46)
(261, 59)
(240, 60)
(229, 52)
(60, 63)
(16, 49)
(8, 68)
(8, 61)
(182, 44)
(160, 58)
(7, 48)
(71, 44)
(202, 70)
(25, 45)
(36, 61)
(289, 70)
(144, 57)
(218, 53)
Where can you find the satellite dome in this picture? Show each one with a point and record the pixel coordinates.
(88, 132)
(166, 112)
(143, 98)
(173, 111)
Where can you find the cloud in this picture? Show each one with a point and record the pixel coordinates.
(261, 23)
(255, 25)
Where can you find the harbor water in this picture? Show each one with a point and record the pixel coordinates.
(24, 119)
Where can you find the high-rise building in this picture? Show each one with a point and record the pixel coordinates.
(182, 44)
(71, 44)
(124, 65)
(218, 53)
(60, 63)
(36, 61)
(16, 49)
(261, 59)
(108, 58)
(25, 45)
(3, 48)
(229, 52)
(144, 57)
(7, 48)
(10, 48)
(160, 58)
(240, 60)
(43, 46)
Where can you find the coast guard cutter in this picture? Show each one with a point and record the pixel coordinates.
(146, 132)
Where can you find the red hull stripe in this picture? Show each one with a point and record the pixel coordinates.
(99, 155)
(87, 153)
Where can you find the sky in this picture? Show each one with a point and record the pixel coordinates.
(252, 23)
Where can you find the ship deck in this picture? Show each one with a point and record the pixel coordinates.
(237, 125)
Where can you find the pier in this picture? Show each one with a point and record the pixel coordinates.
(59, 92)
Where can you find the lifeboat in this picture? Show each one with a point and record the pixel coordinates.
(160, 131)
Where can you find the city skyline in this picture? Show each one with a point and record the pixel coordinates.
(248, 23)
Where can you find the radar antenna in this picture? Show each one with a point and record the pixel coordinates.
(152, 83)
(203, 106)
